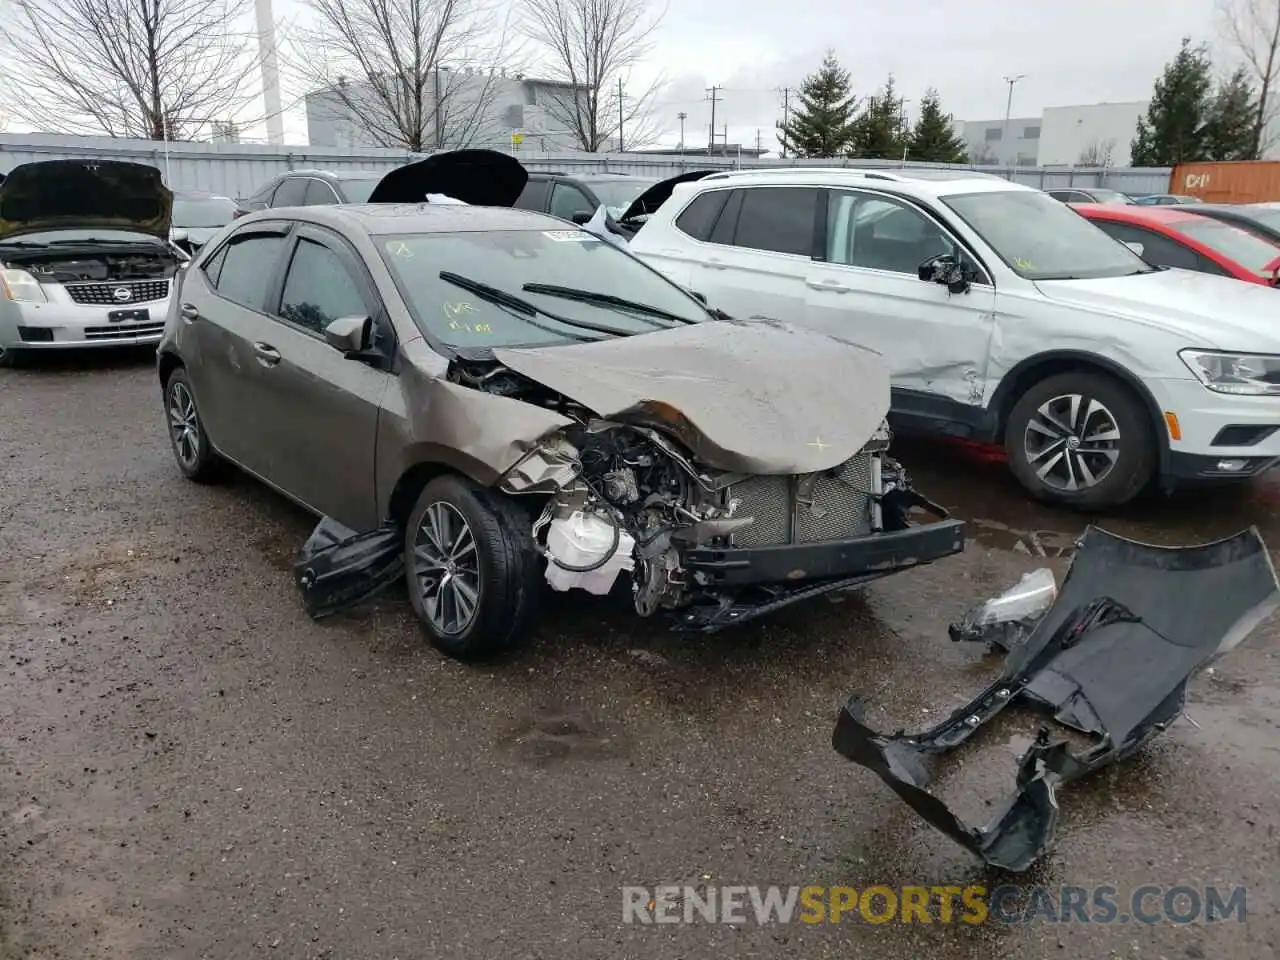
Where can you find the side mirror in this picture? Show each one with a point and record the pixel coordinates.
(581, 217)
(1135, 247)
(956, 275)
(350, 335)
(700, 297)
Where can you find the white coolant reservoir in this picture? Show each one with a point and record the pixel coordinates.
(581, 540)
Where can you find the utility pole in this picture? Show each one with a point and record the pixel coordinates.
(682, 116)
(786, 117)
(620, 150)
(758, 150)
(902, 126)
(1008, 109)
(711, 140)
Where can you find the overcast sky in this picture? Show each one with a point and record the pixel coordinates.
(1082, 51)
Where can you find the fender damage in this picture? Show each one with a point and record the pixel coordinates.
(1110, 658)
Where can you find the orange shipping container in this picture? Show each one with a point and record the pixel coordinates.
(1228, 181)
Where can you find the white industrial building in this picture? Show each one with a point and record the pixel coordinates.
(1091, 135)
(475, 109)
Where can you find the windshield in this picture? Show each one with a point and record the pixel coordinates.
(1109, 196)
(213, 212)
(357, 191)
(1266, 215)
(616, 195)
(1043, 239)
(1247, 249)
(509, 259)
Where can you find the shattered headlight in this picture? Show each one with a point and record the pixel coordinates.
(22, 286)
(1254, 374)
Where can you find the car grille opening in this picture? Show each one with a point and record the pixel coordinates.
(104, 294)
(837, 508)
(121, 331)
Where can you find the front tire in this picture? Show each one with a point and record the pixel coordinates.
(1081, 440)
(190, 444)
(9, 357)
(471, 569)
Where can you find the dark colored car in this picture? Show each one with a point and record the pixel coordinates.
(1088, 195)
(576, 198)
(1178, 237)
(1260, 218)
(493, 398)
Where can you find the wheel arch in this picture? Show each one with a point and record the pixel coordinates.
(1052, 362)
(426, 463)
(166, 362)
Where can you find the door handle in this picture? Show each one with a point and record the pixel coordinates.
(266, 354)
(831, 286)
(189, 313)
(715, 263)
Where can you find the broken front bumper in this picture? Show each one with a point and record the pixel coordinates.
(874, 555)
(1110, 658)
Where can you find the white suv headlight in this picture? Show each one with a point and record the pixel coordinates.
(1253, 374)
(20, 285)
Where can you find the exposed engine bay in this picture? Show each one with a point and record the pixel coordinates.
(95, 262)
(627, 498)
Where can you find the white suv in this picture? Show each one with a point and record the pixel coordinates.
(1005, 316)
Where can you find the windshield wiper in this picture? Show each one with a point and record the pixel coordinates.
(604, 300)
(512, 302)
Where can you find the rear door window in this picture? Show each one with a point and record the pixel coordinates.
(567, 200)
(778, 219)
(699, 217)
(291, 193)
(533, 196)
(248, 269)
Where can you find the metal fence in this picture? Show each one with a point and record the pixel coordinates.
(237, 170)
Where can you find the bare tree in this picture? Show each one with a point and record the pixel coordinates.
(131, 68)
(418, 74)
(1253, 28)
(591, 48)
(1097, 153)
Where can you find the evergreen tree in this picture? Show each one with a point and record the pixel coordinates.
(1175, 127)
(877, 132)
(1229, 132)
(933, 137)
(821, 126)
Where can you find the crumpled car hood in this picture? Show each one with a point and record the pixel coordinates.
(659, 193)
(484, 178)
(80, 194)
(756, 397)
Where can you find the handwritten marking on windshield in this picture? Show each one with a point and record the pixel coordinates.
(399, 248)
(1023, 264)
(456, 310)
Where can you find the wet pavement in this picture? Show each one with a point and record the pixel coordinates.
(190, 767)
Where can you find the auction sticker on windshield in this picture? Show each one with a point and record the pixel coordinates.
(570, 236)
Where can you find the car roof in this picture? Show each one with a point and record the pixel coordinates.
(923, 181)
(338, 174)
(1138, 214)
(381, 219)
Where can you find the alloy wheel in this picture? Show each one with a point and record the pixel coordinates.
(1072, 442)
(446, 567)
(184, 425)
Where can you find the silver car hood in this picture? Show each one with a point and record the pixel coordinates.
(756, 397)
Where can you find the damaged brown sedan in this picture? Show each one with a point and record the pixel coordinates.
(485, 401)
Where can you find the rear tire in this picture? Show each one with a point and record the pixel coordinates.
(1081, 440)
(471, 568)
(190, 444)
(10, 357)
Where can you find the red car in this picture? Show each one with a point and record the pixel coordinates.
(1176, 237)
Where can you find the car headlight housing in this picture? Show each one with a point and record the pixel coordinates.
(22, 286)
(1251, 374)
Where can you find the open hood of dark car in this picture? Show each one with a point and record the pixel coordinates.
(657, 195)
(484, 178)
(79, 194)
(756, 397)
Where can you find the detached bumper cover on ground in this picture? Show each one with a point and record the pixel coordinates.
(1110, 658)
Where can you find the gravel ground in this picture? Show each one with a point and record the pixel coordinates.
(193, 768)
